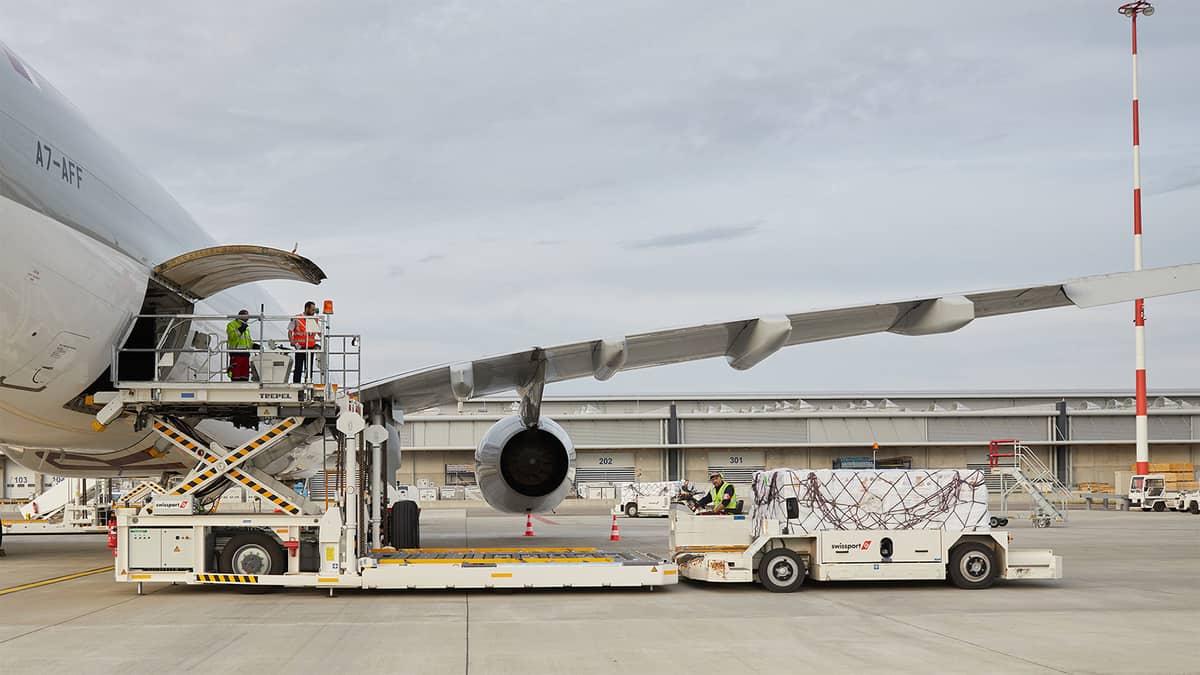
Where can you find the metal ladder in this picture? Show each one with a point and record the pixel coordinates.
(1007, 457)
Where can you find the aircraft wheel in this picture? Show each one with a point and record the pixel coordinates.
(406, 524)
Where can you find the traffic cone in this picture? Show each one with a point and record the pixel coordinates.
(616, 534)
(528, 525)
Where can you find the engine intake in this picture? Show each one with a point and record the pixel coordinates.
(522, 469)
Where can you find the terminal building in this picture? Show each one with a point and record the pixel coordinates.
(1081, 436)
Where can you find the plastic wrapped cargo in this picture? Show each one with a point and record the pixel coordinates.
(884, 499)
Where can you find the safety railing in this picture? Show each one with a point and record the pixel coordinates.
(260, 349)
(1029, 472)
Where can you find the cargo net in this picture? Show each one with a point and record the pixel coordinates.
(871, 499)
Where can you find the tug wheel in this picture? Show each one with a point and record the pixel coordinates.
(972, 565)
(781, 571)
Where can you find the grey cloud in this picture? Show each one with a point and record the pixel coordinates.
(540, 143)
(1184, 179)
(701, 236)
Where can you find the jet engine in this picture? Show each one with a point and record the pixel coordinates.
(525, 469)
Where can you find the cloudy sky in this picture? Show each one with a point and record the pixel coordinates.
(479, 177)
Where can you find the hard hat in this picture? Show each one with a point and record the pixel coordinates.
(716, 474)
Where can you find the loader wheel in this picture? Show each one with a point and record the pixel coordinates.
(1159, 507)
(406, 524)
(256, 554)
(781, 571)
(253, 553)
(631, 510)
(972, 565)
(1194, 508)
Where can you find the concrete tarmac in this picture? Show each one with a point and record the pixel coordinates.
(1129, 602)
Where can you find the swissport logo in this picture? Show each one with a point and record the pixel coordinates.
(846, 548)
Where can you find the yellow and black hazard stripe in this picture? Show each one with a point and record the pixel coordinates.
(183, 442)
(265, 492)
(261, 440)
(191, 484)
(227, 578)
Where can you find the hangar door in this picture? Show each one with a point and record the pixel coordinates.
(738, 466)
(611, 466)
(19, 482)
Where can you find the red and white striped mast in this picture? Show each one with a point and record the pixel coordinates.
(1132, 10)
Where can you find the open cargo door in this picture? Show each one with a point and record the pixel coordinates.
(177, 284)
(205, 272)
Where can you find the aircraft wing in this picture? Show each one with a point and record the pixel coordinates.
(746, 342)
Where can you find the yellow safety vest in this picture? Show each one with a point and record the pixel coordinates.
(237, 336)
(717, 495)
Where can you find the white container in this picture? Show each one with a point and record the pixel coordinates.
(452, 492)
(274, 366)
(427, 494)
(599, 492)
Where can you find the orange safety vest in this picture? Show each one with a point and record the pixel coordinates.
(299, 334)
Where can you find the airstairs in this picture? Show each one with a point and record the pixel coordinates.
(1025, 471)
(48, 504)
(71, 505)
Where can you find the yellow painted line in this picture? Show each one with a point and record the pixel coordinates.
(547, 560)
(446, 561)
(482, 561)
(55, 580)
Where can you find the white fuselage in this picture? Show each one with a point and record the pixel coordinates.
(82, 229)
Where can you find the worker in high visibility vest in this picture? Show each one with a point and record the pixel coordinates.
(304, 332)
(722, 497)
(237, 337)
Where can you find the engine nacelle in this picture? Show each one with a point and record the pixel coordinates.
(520, 469)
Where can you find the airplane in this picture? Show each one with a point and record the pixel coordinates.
(91, 243)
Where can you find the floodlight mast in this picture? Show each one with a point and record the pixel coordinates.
(1142, 427)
